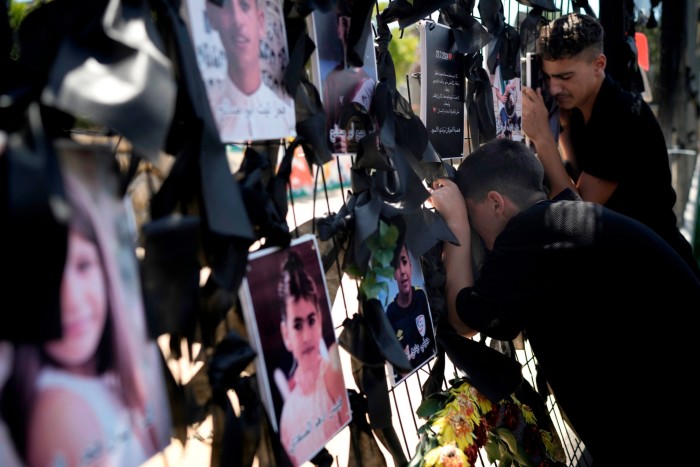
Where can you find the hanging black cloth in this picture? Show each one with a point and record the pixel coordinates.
(547, 5)
(309, 112)
(36, 236)
(122, 46)
(505, 51)
(492, 16)
(470, 35)
(408, 12)
(479, 102)
(529, 30)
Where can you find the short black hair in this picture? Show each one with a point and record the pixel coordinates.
(568, 36)
(502, 165)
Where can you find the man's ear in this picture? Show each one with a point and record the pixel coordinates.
(600, 62)
(496, 201)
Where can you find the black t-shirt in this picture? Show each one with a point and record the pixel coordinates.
(623, 142)
(414, 327)
(592, 290)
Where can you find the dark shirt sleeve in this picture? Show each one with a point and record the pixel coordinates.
(483, 315)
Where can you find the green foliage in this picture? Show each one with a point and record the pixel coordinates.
(432, 404)
(17, 12)
(381, 244)
(403, 49)
(502, 446)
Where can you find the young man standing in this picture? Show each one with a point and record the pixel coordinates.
(610, 139)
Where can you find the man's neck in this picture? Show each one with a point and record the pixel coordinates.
(587, 107)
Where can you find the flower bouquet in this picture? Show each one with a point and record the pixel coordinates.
(460, 421)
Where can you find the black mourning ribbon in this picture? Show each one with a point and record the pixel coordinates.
(34, 250)
(546, 5)
(529, 30)
(479, 102)
(364, 449)
(494, 374)
(506, 47)
(170, 273)
(492, 16)
(231, 356)
(264, 193)
(309, 112)
(470, 35)
(359, 32)
(369, 337)
(120, 45)
(370, 340)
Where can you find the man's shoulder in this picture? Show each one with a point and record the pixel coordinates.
(613, 99)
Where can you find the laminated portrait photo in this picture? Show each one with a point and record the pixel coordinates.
(288, 316)
(241, 50)
(408, 310)
(346, 90)
(507, 96)
(96, 394)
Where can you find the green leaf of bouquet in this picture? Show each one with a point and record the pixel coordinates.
(506, 435)
(430, 405)
(506, 461)
(492, 451)
(522, 458)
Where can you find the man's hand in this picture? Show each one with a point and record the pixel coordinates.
(448, 201)
(535, 120)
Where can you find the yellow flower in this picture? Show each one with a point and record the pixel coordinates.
(453, 426)
(528, 414)
(484, 404)
(548, 442)
(446, 456)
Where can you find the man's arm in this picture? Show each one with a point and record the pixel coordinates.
(448, 201)
(536, 126)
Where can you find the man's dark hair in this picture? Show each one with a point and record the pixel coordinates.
(502, 165)
(568, 36)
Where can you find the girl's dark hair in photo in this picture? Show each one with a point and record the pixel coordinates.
(296, 283)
